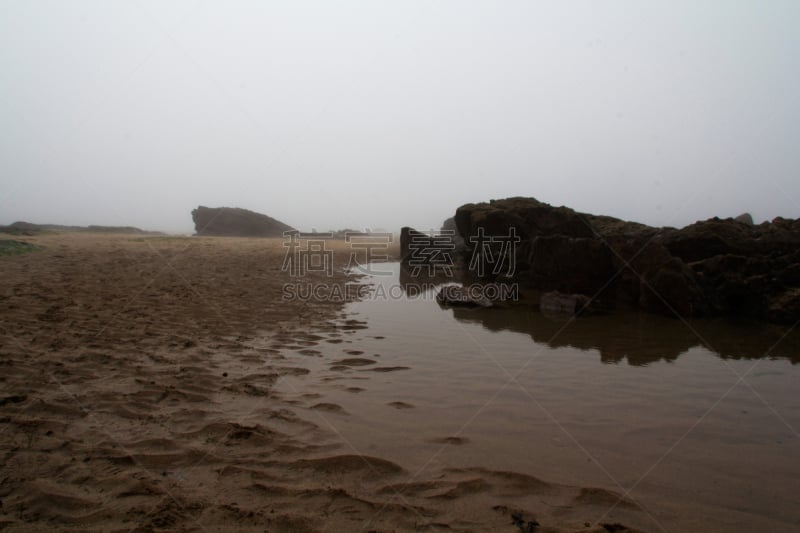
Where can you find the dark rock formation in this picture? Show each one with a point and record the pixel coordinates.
(785, 307)
(572, 264)
(712, 267)
(236, 222)
(409, 236)
(449, 227)
(530, 217)
(432, 252)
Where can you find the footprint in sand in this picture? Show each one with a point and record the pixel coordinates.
(456, 441)
(401, 405)
(311, 396)
(287, 371)
(307, 343)
(329, 407)
(385, 369)
(355, 361)
(353, 325)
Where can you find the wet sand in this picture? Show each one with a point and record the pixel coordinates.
(151, 384)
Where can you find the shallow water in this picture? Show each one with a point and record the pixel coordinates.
(697, 419)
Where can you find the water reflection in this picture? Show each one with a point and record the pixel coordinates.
(640, 338)
(415, 283)
(635, 337)
(648, 408)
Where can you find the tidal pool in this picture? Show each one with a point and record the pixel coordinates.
(696, 420)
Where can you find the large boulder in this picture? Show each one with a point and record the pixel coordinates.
(528, 216)
(570, 264)
(236, 222)
(525, 219)
(712, 267)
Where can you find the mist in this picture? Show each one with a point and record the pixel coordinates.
(329, 115)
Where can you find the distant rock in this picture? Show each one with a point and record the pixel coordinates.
(236, 222)
(22, 228)
(28, 228)
(342, 234)
(745, 218)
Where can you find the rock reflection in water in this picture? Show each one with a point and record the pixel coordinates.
(641, 338)
(415, 283)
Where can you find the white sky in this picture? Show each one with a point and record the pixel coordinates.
(381, 114)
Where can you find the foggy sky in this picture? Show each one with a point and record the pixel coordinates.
(380, 114)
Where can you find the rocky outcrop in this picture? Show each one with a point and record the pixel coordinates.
(435, 252)
(449, 228)
(528, 216)
(236, 222)
(569, 264)
(712, 267)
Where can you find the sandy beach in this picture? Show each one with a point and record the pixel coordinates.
(355, 267)
(139, 393)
